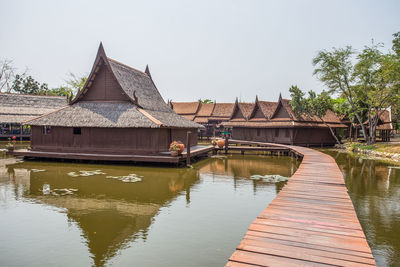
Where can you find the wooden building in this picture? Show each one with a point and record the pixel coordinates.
(384, 127)
(17, 108)
(119, 111)
(210, 115)
(276, 122)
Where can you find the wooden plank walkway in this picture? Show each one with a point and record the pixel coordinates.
(311, 222)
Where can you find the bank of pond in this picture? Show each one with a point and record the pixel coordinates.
(71, 214)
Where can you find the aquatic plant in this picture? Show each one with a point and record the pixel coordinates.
(37, 170)
(272, 178)
(131, 178)
(85, 173)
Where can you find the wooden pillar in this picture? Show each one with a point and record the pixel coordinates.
(188, 134)
(226, 143)
(20, 132)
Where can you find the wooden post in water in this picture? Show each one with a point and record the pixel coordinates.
(226, 143)
(188, 134)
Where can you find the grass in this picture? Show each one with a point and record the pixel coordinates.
(390, 148)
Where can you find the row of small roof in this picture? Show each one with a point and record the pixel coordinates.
(256, 114)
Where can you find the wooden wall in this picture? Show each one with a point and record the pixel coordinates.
(108, 140)
(105, 88)
(295, 136)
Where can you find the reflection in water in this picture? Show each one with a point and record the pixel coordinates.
(113, 215)
(374, 188)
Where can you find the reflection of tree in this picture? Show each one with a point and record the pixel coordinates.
(375, 192)
(110, 213)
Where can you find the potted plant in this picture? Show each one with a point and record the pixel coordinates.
(176, 148)
(220, 143)
(11, 144)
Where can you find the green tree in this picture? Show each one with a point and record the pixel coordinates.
(72, 87)
(206, 101)
(311, 107)
(28, 85)
(375, 77)
(369, 85)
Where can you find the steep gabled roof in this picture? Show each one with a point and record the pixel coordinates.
(242, 110)
(265, 107)
(144, 106)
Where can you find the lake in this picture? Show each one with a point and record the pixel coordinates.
(70, 214)
(374, 188)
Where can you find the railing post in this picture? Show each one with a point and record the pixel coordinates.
(188, 134)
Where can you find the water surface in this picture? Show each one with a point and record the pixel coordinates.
(374, 188)
(166, 217)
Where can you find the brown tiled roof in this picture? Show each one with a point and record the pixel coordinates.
(189, 117)
(184, 108)
(223, 110)
(280, 124)
(246, 109)
(201, 119)
(205, 110)
(330, 116)
(267, 108)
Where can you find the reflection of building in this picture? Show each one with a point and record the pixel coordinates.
(16, 108)
(109, 213)
(246, 166)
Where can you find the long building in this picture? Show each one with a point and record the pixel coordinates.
(263, 121)
(17, 108)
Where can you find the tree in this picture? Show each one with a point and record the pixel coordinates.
(315, 106)
(206, 101)
(335, 69)
(28, 85)
(375, 77)
(369, 85)
(6, 75)
(76, 83)
(73, 85)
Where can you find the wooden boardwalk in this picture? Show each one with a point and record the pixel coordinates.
(311, 222)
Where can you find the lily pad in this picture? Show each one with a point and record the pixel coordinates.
(271, 178)
(131, 178)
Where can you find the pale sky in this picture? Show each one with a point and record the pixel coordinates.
(195, 49)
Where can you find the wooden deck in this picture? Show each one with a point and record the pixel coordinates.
(311, 222)
(161, 158)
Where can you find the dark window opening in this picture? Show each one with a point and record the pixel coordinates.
(287, 133)
(46, 129)
(277, 132)
(77, 130)
(258, 132)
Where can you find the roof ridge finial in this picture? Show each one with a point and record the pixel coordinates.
(280, 96)
(147, 71)
(101, 49)
(256, 98)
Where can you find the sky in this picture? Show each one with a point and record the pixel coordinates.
(216, 50)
